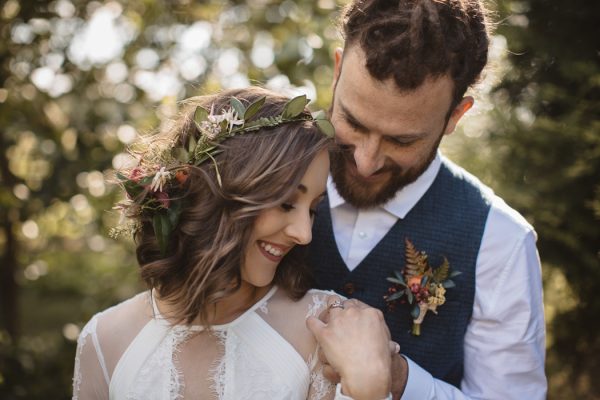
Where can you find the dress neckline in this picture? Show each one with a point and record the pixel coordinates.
(159, 317)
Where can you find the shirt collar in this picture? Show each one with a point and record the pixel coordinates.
(404, 200)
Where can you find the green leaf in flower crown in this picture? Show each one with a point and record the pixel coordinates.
(200, 115)
(295, 107)
(192, 144)
(147, 180)
(121, 177)
(237, 106)
(174, 212)
(162, 230)
(132, 189)
(253, 108)
(326, 127)
(182, 155)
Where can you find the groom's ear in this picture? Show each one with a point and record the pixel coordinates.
(461, 108)
(337, 64)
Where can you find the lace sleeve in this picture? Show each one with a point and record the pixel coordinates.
(90, 377)
(320, 388)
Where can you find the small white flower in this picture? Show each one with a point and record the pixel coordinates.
(210, 129)
(232, 118)
(160, 179)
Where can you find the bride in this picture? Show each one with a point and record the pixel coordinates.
(221, 205)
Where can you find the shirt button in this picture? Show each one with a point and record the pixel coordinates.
(362, 235)
(349, 288)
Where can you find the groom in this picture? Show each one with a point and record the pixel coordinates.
(399, 87)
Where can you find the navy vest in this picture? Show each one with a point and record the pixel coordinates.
(448, 221)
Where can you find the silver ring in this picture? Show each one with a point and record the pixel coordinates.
(337, 304)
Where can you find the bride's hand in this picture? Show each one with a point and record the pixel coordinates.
(356, 342)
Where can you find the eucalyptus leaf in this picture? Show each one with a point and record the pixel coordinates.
(415, 312)
(253, 108)
(200, 115)
(410, 296)
(448, 284)
(395, 296)
(454, 273)
(295, 107)
(326, 127)
(237, 106)
(399, 276)
(394, 280)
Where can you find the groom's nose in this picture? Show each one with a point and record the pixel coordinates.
(368, 156)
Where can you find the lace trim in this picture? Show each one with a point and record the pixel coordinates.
(320, 387)
(263, 307)
(164, 359)
(80, 344)
(217, 373)
(318, 304)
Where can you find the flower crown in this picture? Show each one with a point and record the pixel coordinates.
(155, 186)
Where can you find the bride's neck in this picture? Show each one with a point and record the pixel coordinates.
(227, 309)
(236, 304)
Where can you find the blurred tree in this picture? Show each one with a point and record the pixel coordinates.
(546, 146)
(78, 81)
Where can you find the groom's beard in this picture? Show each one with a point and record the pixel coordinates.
(371, 192)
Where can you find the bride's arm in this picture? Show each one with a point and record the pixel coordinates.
(90, 376)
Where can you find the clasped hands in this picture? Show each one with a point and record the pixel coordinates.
(355, 346)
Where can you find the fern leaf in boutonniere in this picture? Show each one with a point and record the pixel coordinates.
(420, 285)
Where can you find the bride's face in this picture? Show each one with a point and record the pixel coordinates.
(277, 230)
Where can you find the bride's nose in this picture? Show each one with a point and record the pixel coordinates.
(299, 228)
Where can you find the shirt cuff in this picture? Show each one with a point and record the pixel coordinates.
(340, 396)
(419, 384)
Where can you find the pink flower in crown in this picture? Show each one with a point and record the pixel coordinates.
(136, 174)
(163, 198)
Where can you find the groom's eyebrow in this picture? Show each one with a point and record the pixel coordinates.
(352, 120)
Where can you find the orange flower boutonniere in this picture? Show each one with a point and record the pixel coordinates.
(420, 285)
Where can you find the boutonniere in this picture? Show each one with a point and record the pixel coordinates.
(420, 285)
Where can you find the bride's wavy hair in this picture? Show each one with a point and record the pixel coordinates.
(258, 170)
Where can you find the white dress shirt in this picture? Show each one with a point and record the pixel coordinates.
(504, 348)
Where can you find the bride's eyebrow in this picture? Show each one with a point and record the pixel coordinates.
(303, 189)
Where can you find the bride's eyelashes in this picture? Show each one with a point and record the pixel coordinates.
(289, 207)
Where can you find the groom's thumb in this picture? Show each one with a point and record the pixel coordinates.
(316, 326)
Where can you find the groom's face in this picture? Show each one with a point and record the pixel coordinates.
(387, 138)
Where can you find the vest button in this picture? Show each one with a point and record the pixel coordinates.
(349, 288)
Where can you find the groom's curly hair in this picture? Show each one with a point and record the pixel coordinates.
(258, 170)
(412, 40)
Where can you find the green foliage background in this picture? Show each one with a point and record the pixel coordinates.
(68, 106)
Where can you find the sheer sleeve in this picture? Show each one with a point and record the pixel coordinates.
(90, 378)
(320, 387)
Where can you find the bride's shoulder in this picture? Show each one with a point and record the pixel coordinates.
(312, 303)
(128, 314)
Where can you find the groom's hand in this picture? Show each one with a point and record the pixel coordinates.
(334, 377)
(356, 342)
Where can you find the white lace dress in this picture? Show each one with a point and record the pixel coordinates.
(130, 352)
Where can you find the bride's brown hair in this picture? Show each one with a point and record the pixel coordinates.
(258, 170)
